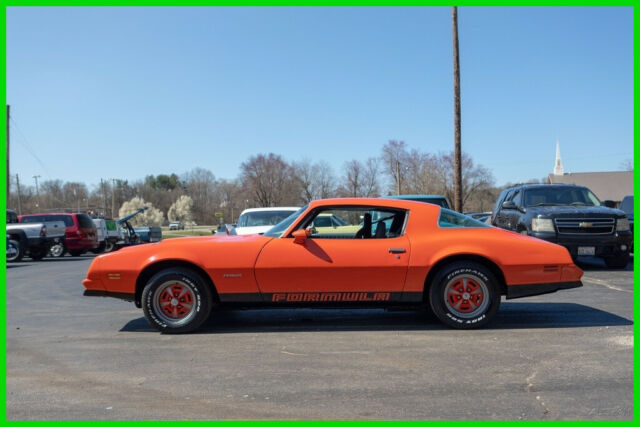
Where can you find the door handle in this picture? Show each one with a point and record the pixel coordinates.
(397, 250)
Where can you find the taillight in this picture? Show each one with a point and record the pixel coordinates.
(43, 231)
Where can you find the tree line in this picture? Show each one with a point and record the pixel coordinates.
(265, 180)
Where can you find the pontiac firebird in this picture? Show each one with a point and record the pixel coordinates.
(338, 253)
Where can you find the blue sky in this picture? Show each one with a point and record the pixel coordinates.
(127, 92)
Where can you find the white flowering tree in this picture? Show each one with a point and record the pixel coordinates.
(152, 216)
(181, 210)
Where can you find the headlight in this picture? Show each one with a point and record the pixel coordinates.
(542, 224)
(623, 224)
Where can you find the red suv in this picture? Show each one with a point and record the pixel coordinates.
(81, 234)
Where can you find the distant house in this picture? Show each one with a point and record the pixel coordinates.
(606, 185)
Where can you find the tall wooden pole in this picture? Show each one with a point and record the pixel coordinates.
(457, 181)
(8, 151)
(19, 201)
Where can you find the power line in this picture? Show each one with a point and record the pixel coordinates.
(27, 146)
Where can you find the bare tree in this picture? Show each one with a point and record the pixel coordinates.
(457, 163)
(475, 178)
(627, 165)
(352, 179)
(395, 159)
(270, 180)
(370, 178)
(325, 180)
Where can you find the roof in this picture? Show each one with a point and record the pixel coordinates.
(283, 208)
(606, 185)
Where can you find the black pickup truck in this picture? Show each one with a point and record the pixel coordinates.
(569, 215)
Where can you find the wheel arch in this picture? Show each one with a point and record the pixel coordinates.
(154, 268)
(492, 266)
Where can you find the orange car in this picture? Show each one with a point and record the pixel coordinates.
(374, 252)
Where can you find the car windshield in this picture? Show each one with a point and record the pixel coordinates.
(560, 196)
(451, 219)
(262, 218)
(282, 226)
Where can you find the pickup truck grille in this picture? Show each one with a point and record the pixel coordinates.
(585, 225)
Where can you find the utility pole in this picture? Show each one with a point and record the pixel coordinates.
(113, 198)
(19, 202)
(104, 198)
(8, 174)
(37, 191)
(397, 177)
(457, 181)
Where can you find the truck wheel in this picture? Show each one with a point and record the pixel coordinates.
(15, 252)
(37, 254)
(619, 261)
(108, 246)
(57, 250)
(176, 300)
(464, 295)
(99, 249)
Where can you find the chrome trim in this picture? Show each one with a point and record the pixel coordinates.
(580, 227)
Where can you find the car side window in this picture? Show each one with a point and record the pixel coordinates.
(517, 198)
(355, 223)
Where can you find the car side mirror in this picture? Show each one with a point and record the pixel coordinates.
(609, 203)
(509, 205)
(300, 236)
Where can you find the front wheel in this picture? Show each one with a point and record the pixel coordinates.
(464, 295)
(619, 261)
(15, 251)
(176, 300)
(108, 246)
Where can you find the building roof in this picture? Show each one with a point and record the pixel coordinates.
(606, 185)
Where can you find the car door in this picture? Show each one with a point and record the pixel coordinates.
(500, 218)
(333, 265)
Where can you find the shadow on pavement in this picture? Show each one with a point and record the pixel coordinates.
(512, 315)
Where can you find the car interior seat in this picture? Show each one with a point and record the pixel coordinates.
(365, 231)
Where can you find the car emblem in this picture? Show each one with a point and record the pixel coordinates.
(585, 224)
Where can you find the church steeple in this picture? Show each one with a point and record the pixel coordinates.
(558, 170)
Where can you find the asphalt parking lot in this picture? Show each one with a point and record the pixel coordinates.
(567, 355)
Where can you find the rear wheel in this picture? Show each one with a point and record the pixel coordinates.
(57, 250)
(464, 295)
(176, 300)
(99, 249)
(15, 252)
(38, 254)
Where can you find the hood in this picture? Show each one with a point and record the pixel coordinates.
(575, 211)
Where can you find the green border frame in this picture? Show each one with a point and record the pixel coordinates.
(187, 3)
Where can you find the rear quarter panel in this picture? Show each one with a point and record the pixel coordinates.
(522, 259)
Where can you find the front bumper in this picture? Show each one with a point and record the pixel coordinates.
(605, 245)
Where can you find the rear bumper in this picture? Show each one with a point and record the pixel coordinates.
(80, 244)
(519, 291)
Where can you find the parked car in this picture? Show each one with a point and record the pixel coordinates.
(480, 216)
(33, 239)
(626, 206)
(415, 262)
(569, 215)
(148, 234)
(425, 198)
(224, 229)
(176, 225)
(81, 233)
(259, 220)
